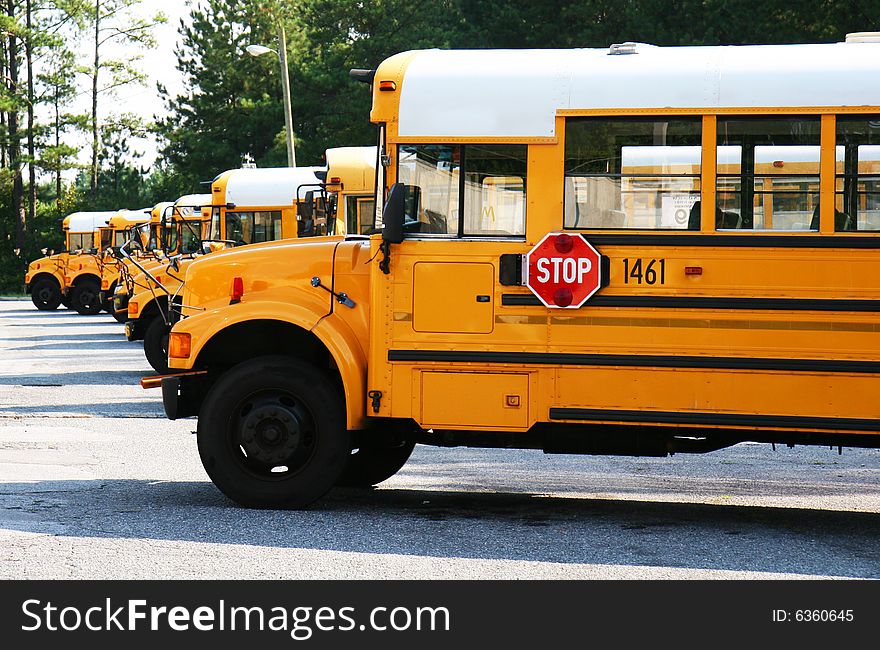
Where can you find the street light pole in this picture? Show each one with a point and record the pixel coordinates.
(259, 50)
(288, 111)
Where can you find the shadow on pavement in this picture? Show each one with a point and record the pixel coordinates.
(471, 525)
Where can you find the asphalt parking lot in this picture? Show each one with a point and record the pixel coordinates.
(96, 483)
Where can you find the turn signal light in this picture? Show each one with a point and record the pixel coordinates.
(179, 345)
(387, 86)
(132, 310)
(237, 290)
(105, 284)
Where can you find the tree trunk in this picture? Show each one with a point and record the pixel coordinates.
(94, 178)
(56, 101)
(15, 138)
(32, 149)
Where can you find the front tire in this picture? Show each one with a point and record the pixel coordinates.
(272, 433)
(156, 345)
(86, 299)
(46, 295)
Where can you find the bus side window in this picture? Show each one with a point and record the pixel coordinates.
(632, 173)
(767, 173)
(857, 175)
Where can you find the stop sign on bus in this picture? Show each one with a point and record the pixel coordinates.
(563, 270)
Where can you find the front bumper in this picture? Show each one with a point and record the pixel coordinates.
(120, 302)
(182, 395)
(134, 330)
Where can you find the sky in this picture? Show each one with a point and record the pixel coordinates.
(159, 65)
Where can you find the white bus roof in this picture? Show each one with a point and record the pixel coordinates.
(271, 186)
(517, 93)
(87, 221)
(193, 201)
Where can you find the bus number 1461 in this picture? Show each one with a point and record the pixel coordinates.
(639, 271)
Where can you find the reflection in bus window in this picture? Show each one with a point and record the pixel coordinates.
(632, 173)
(189, 237)
(490, 193)
(79, 241)
(857, 176)
(360, 213)
(495, 190)
(253, 227)
(433, 169)
(768, 173)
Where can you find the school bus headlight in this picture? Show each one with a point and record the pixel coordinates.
(132, 310)
(179, 345)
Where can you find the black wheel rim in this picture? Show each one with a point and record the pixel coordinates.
(44, 295)
(88, 298)
(272, 435)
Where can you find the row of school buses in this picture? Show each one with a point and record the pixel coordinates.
(132, 263)
(735, 296)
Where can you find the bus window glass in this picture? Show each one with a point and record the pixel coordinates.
(495, 190)
(431, 173)
(768, 174)
(857, 182)
(214, 230)
(106, 238)
(190, 242)
(632, 173)
(80, 241)
(121, 237)
(253, 227)
(360, 211)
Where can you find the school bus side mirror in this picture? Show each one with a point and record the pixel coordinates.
(393, 214)
(306, 207)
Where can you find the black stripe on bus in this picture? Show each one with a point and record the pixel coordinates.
(728, 419)
(637, 360)
(685, 302)
(738, 241)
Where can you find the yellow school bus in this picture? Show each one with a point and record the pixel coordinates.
(253, 206)
(734, 296)
(184, 226)
(126, 228)
(45, 277)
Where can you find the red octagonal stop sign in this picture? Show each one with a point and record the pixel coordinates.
(563, 270)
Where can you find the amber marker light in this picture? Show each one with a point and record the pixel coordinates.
(179, 345)
(387, 86)
(132, 310)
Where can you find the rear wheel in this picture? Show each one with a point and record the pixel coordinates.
(86, 299)
(46, 294)
(372, 464)
(272, 433)
(156, 345)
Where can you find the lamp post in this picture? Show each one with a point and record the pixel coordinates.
(259, 50)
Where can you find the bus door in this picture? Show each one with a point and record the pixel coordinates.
(442, 292)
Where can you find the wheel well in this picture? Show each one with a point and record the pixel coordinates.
(156, 307)
(250, 339)
(85, 277)
(45, 276)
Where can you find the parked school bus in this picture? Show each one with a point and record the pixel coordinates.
(89, 275)
(45, 277)
(246, 206)
(126, 227)
(734, 325)
(184, 226)
(299, 202)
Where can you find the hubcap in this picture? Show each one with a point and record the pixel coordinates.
(275, 434)
(45, 294)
